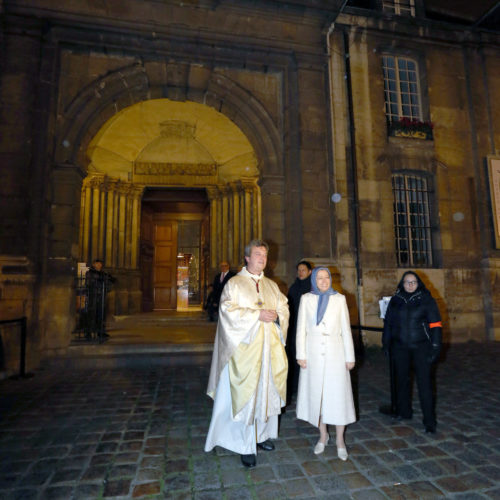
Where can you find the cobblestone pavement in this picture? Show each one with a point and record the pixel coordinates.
(139, 433)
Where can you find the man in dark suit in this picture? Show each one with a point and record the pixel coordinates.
(219, 281)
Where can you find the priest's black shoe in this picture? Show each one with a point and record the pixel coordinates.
(248, 460)
(430, 429)
(266, 445)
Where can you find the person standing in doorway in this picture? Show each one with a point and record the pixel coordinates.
(220, 281)
(301, 285)
(98, 284)
(249, 365)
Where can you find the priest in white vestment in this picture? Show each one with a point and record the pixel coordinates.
(249, 364)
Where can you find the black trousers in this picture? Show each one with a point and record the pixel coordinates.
(292, 382)
(404, 360)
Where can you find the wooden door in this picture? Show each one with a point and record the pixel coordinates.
(165, 264)
(146, 261)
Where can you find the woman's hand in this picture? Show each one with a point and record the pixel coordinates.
(302, 363)
(349, 365)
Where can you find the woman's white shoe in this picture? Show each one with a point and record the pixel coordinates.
(320, 447)
(342, 454)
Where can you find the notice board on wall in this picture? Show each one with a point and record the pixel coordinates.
(494, 178)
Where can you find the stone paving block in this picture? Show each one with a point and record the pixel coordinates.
(58, 492)
(178, 481)
(206, 481)
(205, 464)
(107, 447)
(407, 472)
(452, 465)
(269, 491)
(288, 471)
(430, 468)
(471, 458)
(452, 484)
(126, 458)
(315, 468)
(390, 458)
(111, 436)
(65, 475)
(232, 477)
(431, 450)
(102, 459)
(490, 471)
(375, 445)
(368, 494)
(330, 484)
(418, 490)
(476, 481)
(381, 475)
(146, 489)
(493, 493)
(356, 481)
(122, 471)
(396, 443)
(95, 473)
(298, 488)
(410, 454)
(131, 446)
(365, 461)
(238, 493)
(340, 467)
(36, 478)
(204, 495)
(229, 461)
(114, 488)
(149, 475)
(75, 462)
(261, 474)
(22, 494)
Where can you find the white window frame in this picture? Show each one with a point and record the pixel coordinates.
(403, 98)
(412, 220)
(399, 7)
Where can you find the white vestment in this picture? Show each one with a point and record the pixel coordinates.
(248, 374)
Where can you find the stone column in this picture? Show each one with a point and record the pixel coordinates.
(213, 197)
(234, 253)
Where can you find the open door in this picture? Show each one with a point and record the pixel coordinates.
(165, 265)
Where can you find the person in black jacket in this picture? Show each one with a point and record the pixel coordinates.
(301, 285)
(219, 281)
(412, 337)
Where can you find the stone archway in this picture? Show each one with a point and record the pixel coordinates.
(163, 143)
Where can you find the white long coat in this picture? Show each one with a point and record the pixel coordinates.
(325, 385)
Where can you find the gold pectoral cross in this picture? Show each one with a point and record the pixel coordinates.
(259, 303)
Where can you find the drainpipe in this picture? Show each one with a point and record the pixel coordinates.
(352, 159)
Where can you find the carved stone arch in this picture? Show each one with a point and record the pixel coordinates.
(107, 96)
(96, 104)
(250, 116)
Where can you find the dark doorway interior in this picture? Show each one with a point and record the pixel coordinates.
(174, 248)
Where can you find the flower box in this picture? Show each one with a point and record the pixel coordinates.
(414, 129)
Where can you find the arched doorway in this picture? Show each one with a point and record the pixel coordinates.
(155, 167)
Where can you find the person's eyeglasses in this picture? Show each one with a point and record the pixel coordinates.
(410, 282)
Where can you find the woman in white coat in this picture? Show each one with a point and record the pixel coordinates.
(325, 353)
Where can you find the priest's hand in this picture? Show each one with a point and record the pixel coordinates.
(302, 363)
(349, 365)
(268, 316)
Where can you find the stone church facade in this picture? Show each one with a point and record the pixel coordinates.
(273, 119)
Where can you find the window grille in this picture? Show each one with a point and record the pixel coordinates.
(401, 87)
(399, 7)
(412, 220)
